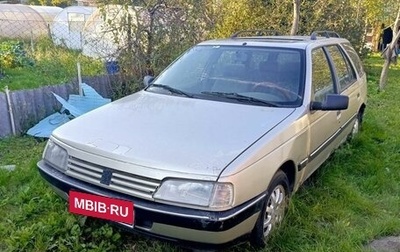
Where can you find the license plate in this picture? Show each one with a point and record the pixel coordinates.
(101, 207)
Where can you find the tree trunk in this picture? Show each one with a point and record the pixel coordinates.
(384, 73)
(296, 17)
(389, 52)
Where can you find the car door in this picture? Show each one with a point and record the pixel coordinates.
(347, 85)
(324, 125)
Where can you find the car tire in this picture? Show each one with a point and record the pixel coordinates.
(273, 209)
(357, 124)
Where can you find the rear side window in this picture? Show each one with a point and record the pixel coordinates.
(354, 58)
(322, 82)
(345, 72)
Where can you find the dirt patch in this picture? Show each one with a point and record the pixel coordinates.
(386, 244)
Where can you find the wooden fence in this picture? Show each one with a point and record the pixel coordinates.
(28, 107)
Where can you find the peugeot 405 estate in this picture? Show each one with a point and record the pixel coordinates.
(211, 149)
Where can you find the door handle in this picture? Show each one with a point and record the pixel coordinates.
(338, 114)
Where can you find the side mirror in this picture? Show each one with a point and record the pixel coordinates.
(332, 102)
(147, 80)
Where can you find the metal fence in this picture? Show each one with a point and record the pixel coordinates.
(23, 109)
(87, 36)
(84, 34)
(20, 110)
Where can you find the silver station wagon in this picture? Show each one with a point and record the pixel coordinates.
(211, 149)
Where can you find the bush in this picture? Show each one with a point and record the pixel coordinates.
(12, 55)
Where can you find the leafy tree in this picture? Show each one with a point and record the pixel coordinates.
(345, 17)
(159, 30)
(151, 33)
(336, 15)
(238, 15)
(60, 3)
(378, 12)
(390, 53)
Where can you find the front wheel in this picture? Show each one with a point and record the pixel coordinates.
(273, 209)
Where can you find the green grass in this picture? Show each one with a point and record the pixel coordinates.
(53, 65)
(352, 199)
(33, 218)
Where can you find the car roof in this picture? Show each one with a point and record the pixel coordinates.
(298, 42)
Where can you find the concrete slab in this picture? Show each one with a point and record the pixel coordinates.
(386, 244)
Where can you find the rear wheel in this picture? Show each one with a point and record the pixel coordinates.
(357, 124)
(273, 209)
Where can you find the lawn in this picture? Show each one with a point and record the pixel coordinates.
(352, 199)
(42, 63)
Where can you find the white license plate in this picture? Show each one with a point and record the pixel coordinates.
(101, 207)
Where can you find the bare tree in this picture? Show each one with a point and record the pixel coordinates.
(389, 53)
(296, 17)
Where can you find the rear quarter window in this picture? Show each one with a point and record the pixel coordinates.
(354, 58)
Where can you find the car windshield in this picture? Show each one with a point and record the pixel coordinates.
(273, 76)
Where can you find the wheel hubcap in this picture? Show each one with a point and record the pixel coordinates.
(275, 209)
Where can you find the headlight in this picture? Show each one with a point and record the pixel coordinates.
(56, 156)
(199, 193)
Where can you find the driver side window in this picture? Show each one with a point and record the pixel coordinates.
(322, 81)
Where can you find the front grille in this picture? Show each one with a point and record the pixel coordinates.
(123, 182)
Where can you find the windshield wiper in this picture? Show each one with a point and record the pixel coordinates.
(171, 89)
(239, 97)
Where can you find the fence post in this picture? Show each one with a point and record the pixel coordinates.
(32, 48)
(10, 110)
(78, 65)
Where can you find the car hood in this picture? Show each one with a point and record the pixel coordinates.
(172, 133)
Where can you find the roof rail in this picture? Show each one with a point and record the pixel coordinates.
(326, 34)
(256, 33)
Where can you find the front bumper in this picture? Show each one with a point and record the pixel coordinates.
(166, 221)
